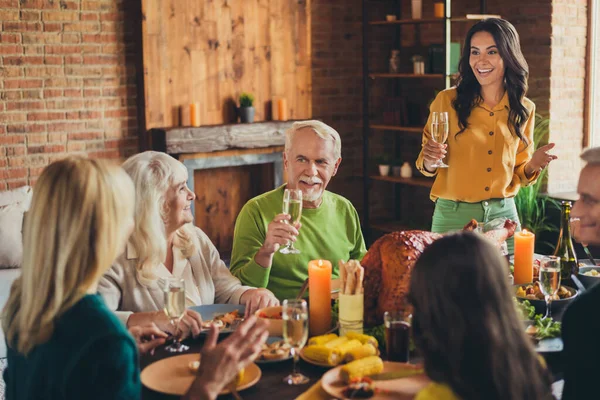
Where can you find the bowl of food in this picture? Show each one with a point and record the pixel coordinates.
(589, 275)
(533, 293)
(273, 315)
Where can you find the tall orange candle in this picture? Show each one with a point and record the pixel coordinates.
(524, 245)
(282, 109)
(195, 114)
(319, 296)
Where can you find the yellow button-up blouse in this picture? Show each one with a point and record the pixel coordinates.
(486, 161)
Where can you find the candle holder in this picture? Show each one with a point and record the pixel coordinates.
(351, 313)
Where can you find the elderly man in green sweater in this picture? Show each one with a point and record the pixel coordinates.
(329, 228)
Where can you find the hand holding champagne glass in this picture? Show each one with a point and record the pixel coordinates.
(174, 292)
(292, 205)
(439, 132)
(295, 333)
(549, 280)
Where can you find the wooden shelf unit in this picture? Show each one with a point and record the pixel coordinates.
(406, 76)
(397, 192)
(423, 182)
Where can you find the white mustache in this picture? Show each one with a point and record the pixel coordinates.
(310, 180)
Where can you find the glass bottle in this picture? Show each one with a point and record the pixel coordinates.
(564, 248)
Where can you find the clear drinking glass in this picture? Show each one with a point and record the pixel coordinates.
(397, 335)
(295, 333)
(439, 132)
(549, 280)
(292, 205)
(174, 293)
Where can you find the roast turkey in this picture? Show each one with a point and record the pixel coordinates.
(390, 260)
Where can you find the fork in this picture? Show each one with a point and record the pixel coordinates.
(232, 387)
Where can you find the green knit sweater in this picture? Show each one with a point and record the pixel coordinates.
(331, 232)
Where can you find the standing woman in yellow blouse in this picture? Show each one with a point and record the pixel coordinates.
(490, 150)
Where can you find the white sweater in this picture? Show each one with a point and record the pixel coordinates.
(207, 279)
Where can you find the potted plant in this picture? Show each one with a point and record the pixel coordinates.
(533, 206)
(246, 108)
(383, 163)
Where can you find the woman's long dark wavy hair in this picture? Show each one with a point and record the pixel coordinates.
(466, 326)
(515, 76)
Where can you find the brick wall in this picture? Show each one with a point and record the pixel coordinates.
(68, 84)
(567, 91)
(337, 84)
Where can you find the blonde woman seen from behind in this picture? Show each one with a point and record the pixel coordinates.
(165, 244)
(63, 342)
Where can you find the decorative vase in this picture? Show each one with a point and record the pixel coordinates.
(384, 170)
(396, 170)
(406, 170)
(395, 62)
(246, 114)
(417, 9)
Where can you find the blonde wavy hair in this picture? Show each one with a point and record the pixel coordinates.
(153, 173)
(73, 232)
(323, 130)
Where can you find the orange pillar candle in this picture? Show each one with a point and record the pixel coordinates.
(282, 109)
(195, 114)
(319, 296)
(524, 245)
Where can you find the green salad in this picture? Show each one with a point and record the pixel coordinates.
(540, 328)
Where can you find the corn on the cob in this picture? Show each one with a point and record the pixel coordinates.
(360, 368)
(363, 351)
(239, 377)
(336, 342)
(319, 340)
(364, 339)
(347, 346)
(322, 354)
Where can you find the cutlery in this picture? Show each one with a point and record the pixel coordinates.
(578, 283)
(232, 387)
(302, 289)
(588, 253)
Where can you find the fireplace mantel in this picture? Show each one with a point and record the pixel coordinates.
(206, 139)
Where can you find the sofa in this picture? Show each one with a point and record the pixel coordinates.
(13, 205)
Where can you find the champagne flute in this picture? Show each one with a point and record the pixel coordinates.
(295, 333)
(439, 132)
(174, 292)
(292, 205)
(549, 280)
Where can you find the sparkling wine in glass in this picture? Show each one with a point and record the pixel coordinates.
(295, 333)
(549, 280)
(174, 293)
(439, 132)
(292, 205)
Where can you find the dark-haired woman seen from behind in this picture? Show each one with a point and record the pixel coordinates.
(489, 150)
(466, 327)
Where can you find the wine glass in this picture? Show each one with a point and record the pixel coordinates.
(292, 205)
(439, 132)
(174, 291)
(549, 280)
(295, 333)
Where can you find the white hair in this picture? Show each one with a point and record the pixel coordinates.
(323, 130)
(153, 173)
(591, 155)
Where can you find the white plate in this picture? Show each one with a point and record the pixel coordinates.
(210, 311)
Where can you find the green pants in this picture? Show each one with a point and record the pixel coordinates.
(451, 215)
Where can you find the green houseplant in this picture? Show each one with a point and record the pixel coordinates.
(533, 206)
(246, 108)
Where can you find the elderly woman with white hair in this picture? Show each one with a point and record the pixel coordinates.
(166, 244)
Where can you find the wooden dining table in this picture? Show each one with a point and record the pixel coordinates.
(270, 385)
